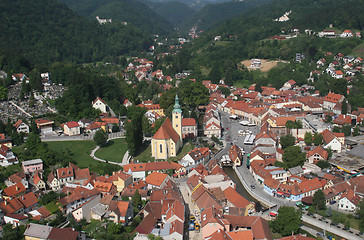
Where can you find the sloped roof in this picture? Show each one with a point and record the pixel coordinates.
(188, 122)
(156, 178)
(327, 136)
(72, 124)
(333, 97)
(28, 199)
(320, 151)
(235, 198)
(10, 206)
(166, 131)
(65, 172)
(14, 190)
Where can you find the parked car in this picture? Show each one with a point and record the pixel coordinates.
(252, 186)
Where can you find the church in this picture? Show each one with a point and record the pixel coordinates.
(168, 139)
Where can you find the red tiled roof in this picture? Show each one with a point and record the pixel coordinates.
(14, 190)
(72, 124)
(28, 199)
(64, 172)
(166, 131)
(155, 178)
(333, 97)
(11, 206)
(188, 122)
(235, 198)
(17, 124)
(319, 150)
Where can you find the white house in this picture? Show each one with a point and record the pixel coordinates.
(331, 141)
(349, 200)
(100, 104)
(21, 126)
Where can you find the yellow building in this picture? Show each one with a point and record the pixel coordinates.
(168, 139)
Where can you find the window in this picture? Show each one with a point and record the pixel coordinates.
(176, 116)
(160, 148)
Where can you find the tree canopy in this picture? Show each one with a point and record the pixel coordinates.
(293, 156)
(319, 200)
(287, 141)
(288, 221)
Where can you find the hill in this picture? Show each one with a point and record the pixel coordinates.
(131, 11)
(174, 12)
(47, 31)
(213, 14)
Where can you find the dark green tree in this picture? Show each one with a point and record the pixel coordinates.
(347, 130)
(293, 156)
(360, 213)
(288, 221)
(100, 137)
(323, 164)
(344, 107)
(317, 139)
(137, 200)
(319, 200)
(134, 129)
(287, 141)
(308, 138)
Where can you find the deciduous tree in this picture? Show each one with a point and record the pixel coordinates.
(319, 200)
(288, 221)
(293, 156)
(287, 141)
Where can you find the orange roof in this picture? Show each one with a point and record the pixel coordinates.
(235, 198)
(14, 190)
(155, 178)
(167, 131)
(281, 121)
(333, 97)
(110, 120)
(244, 234)
(72, 124)
(28, 199)
(64, 172)
(9, 207)
(188, 122)
(103, 186)
(123, 207)
(36, 179)
(17, 124)
(320, 151)
(98, 98)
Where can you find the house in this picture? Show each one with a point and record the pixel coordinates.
(140, 170)
(12, 206)
(317, 154)
(212, 129)
(39, 183)
(105, 187)
(15, 178)
(65, 175)
(40, 213)
(72, 128)
(289, 84)
(331, 100)
(7, 141)
(139, 186)
(156, 180)
(195, 157)
(29, 201)
(84, 122)
(168, 139)
(347, 34)
(120, 212)
(15, 219)
(14, 191)
(21, 126)
(189, 128)
(33, 165)
(338, 74)
(53, 182)
(39, 232)
(235, 155)
(100, 104)
(7, 157)
(45, 126)
(78, 196)
(349, 200)
(234, 199)
(84, 210)
(331, 141)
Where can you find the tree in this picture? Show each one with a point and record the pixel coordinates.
(293, 156)
(258, 206)
(360, 213)
(329, 212)
(100, 137)
(319, 200)
(137, 200)
(317, 139)
(134, 129)
(323, 164)
(356, 131)
(288, 221)
(346, 130)
(344, 107)
(154, 237)
(287, 141)
(308, 138)
(33, 141)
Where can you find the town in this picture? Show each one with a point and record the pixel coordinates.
(144, 147)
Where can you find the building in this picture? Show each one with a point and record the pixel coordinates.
(72, 128)
(65, 175)
(331, 100)
(189, 128)
(39, 232)
(100, 104)
(168, 139)
(45, 126)
(21, 126)
(30, 166)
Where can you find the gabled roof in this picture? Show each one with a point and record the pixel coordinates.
(333, 97)
(17, 124)
(82, 173)
(11, 206)
(64, 172)
(3, 150)
(235, 198)
(320, 151)
(351, 196)
(14, 190)
(327, 136)
(63, 233)
(98, 99)
(156, 178)
(166, 131)
(235, 152)
(72, 124)
(17, 177)
(28, 199)
(188, 122)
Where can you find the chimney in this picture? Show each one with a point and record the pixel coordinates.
(5, 202)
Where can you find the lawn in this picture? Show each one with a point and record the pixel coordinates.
(146, 155)
(79, 151)
(358, 51)
(114, 150)
(52, 207)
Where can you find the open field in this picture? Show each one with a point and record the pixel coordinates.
(265, 67)
(358, 51)
(114, 150)
(79, 151)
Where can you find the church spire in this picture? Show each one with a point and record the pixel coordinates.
(177, 107)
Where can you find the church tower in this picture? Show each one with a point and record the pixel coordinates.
(177, 118)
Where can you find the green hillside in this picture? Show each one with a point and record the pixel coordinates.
(213, 14)
(131, 11)
(174, 12)
(46, 31)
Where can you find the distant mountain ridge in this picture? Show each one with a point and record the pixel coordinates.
(130, 11)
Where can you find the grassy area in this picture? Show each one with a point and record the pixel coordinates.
(346, 219)
(146, 155)
(92, 226)
(114, 150)
(358, 51)
(79, 151)
(52, 207)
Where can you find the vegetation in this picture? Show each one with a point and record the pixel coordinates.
(293, 156)
(308, 138)
(287, 141)
(360, 213)
(288, 221)
(319, 200)
(100, 138)
(113, 151)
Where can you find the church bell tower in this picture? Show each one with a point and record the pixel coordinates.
(177, 118)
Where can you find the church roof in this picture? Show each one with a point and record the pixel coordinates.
(166, 131)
